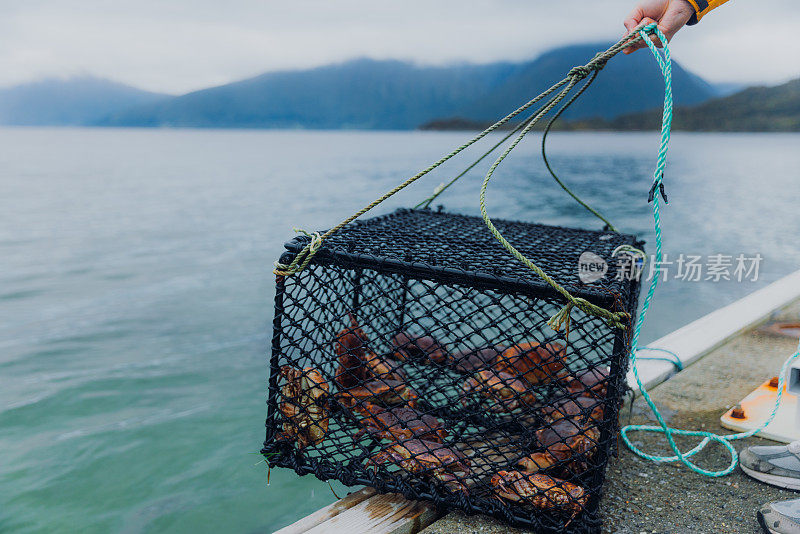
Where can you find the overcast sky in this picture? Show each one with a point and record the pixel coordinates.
(177, 46)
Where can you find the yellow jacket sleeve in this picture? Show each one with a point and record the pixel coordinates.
(701, 7)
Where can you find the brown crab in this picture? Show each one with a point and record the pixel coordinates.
(536, 363)
(504, 392)
(350, 347)
(580, 408)
(304, 406)
(384, 392)
(400, 423)
(357, 363)
(428, 458)
(541, 491)
(561, 442)
(473, 360)
(589, 382)
(382, 368)
(418, 348)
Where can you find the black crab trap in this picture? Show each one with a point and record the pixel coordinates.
(413, 354)
(421, 354)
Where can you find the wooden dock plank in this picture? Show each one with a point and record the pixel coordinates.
(388, 513)
(331, 511)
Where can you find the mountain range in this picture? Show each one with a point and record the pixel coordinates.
(374, 94)
(76, 101)
(363, 94)
(370, 94)
(756, 109)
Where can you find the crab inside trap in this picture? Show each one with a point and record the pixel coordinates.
(413, 355)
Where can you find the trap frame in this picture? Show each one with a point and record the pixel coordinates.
(422, 293)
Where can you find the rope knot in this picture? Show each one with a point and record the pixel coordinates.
(306, 254)
(562, 318)
(579, 72)
(597, 63)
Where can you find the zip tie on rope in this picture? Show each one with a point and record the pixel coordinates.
(660, 187)
(630, 250)
(637, 255)
(662, 428)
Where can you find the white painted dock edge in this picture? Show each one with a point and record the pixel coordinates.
(698, 338)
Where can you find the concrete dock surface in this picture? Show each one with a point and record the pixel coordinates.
(644, 497)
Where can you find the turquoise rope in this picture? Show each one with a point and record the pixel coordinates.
(725, 440)
(674, 359)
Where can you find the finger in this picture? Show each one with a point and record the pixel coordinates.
(653, 37)
(675, 19)
(633, 18)
(633, 48)
(644, 22)
(639, 44)
(632, 22)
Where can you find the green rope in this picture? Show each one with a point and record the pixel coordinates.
(442, 188)
(575, 75)
(547, 162)
(616, 319)
(303, 258)
(662, 428)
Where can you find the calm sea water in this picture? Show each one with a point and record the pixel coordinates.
(136, 286)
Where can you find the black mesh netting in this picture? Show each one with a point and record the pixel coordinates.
(413, 355)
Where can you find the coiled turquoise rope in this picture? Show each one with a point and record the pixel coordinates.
(725, 440)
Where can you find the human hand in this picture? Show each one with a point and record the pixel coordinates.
(670, 15)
